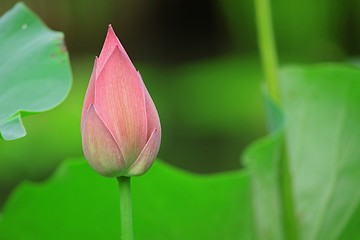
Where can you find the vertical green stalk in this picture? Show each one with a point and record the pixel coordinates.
(125, 208)
(270, 66)
(267, 47)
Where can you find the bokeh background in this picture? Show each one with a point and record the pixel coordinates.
(200, 62)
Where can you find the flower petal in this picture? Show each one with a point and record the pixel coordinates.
(120, 102)
(111, 41)
(100, 148)
(153, 120)
(147, 155)
(90, 93)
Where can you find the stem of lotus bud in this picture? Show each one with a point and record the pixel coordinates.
(125, 208)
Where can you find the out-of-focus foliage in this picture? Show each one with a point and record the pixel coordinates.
(263, 161)
(167, 204)
(34, 69)
(184, 147)
(320, 24)
(210, 109)
(320, 107)
(214, 109)
(206, 142)
(170, 31)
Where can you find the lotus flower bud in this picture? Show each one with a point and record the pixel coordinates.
(120, 126)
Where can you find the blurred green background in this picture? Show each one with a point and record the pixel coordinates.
(200, 62)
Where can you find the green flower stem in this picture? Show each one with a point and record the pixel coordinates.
(125, 208)
(270, 66)
(267, 47)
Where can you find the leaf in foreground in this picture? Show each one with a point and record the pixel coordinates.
(167, 204)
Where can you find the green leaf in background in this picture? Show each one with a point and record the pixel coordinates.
(321, 110)
(34, 69)
(263, 159)
(167, 204)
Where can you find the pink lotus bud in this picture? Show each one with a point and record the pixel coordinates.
(120, 126)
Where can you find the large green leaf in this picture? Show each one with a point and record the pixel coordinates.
(321, 107)
(34, 69)
(263, 159)
(167, 204)
(322, 110)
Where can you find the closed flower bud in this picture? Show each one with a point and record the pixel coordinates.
(120, 126)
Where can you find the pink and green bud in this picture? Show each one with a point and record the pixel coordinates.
(120, 126)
